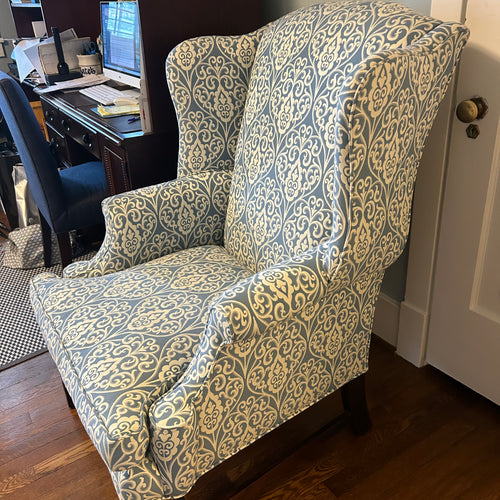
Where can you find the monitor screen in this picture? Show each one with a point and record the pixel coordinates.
(121, 45)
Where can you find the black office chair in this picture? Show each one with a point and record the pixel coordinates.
(68, 199)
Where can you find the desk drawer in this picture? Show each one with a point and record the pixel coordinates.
(82, 135)
(58, 146)
(69, 127)
(52, 116)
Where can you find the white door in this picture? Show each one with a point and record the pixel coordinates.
(464, 330)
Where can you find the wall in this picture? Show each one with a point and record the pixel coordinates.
(7, 30)
(280, 7)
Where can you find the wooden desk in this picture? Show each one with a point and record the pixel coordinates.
(131, 159)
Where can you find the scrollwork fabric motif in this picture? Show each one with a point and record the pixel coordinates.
(257, 383)
(288, 192)
(392, 107)
(392, 100)
(340, 100)
(208, 80)
(130, 336)
(150, 222)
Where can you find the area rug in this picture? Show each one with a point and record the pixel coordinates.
(20, 336)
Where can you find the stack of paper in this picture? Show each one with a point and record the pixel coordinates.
(76, 83)
(71, 48)
(118, 110)
(28, 53)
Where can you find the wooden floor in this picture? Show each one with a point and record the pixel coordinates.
(431, 439)
(5, 222)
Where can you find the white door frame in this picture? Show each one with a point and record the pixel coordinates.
(427, 207)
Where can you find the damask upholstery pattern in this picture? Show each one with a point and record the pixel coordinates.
(289, 150)
(131, 335)
(224, 303)
(156, 220)
(208, 80)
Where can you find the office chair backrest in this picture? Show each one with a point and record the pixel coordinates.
(39, 163)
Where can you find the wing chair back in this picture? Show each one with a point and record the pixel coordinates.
(340, 101)
(208, 79)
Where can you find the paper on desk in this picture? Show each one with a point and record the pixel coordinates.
(71, 48)
(24, 64)
(118, 110)
(76, 83)
(32, 52)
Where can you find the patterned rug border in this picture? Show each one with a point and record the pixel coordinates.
(20, 337)
(25, 358)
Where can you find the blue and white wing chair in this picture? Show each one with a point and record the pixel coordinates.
(227, 301)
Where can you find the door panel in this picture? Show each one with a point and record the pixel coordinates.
(464, 331)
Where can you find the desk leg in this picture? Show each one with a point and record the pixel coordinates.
(115, 162)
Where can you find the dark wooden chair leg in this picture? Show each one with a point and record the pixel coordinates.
(68, 398)
(64, 243)
(46, 241)
(354, 400)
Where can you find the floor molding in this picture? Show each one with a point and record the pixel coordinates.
(386, 321)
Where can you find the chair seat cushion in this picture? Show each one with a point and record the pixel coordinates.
(123, 339)
(84, 187)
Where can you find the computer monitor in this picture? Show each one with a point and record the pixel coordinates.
(121, 42)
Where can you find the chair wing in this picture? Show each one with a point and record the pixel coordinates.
(208, 80)
(385, 112)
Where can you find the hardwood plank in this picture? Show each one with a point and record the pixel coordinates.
(32, 368)
(30, 418)
(449, 474)
(57, 438)
(317, 492)
(67, 482)
(391, 477)
(51, 464)
(28, 388)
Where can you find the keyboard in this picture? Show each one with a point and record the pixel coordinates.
(106, 95)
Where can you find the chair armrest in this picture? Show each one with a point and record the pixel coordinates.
(272, 295)
(236, 316)
(241, 312)
(147, 223)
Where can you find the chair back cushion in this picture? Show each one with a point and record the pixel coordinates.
(287, 195)
(39, 164)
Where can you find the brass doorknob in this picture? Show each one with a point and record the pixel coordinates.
(472, 109)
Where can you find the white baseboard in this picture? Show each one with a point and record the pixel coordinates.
(412, 338)
(386, 320)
